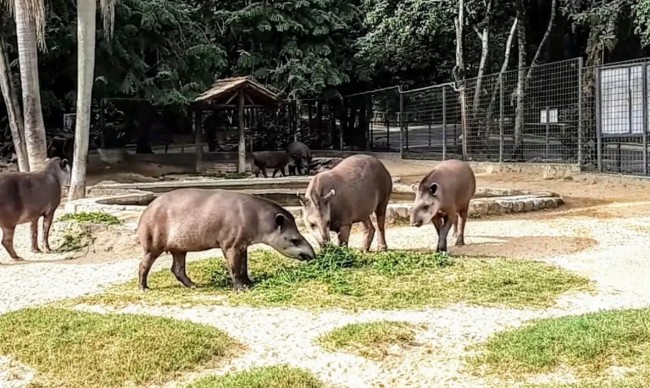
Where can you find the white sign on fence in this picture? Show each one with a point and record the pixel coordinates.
(621, 93)
(552, 115)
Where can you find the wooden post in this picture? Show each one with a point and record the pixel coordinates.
(197, 123)
(242, 139)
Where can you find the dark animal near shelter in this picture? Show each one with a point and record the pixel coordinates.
(192, 220)
(301, 156)
(277, 160)
(442, 198)
(28, 196)
(350, 192)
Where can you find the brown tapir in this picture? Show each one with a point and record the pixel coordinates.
(348, 193)
(276, 160)
(28, 196)
(442, 197)
(301, 155)
(192, 220)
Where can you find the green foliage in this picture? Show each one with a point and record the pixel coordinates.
(587, 345)
(302, 47)
(642, 11)
(79, 349)
(92, 217)
(278, 376)
(371, 339)
(346, 278)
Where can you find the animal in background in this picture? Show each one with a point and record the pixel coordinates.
(301, 156)
(28, 196)
(277, 160)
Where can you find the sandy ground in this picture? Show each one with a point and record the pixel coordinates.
(602, 233)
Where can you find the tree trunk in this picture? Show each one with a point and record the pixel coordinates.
(33, 115)
(517, 152)
(542, 44)
(499, 83)
(485, 48)
(14, 114)
(459, 75)
(86, 10)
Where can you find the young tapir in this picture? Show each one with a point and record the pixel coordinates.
(192, 220)
(301, 155)
(348, 193)
(277, 160)
(28, 196)
(442, 198)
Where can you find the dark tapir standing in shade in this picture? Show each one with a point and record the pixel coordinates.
(277, 160)
(192, 220)
(28, 196)
(301, 156)
(442, 198)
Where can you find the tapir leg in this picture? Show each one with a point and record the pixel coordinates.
(235, 258)
(245, 279)
(368, 234)
(264, 172)
(460, 228)
(344, 235)
(380, 213)
(178, 269)
(8, 241)
(34, 235)
(444, 231)
(47, 224)
(437, 222)
(145, 266)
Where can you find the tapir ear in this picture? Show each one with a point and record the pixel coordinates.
(279, 220)
(414, 187)
(433, 189)
(64, 164)
(329, 195)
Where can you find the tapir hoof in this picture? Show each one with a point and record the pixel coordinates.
(382, 248)
(240, 287)
(460, 242)
(36, 250)
(18, 258)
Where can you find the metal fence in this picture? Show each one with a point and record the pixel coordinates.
(561, 112)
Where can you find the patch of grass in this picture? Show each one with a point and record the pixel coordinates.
(345, 278)
(280, 376)
(587, 344)
(92, 217)
(370, 340)
(75, 239)
(80, 349)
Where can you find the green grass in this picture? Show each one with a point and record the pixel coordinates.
(91, 217)
(280, 376)
(80, 349)
(345, 278)
(587, 344)
(370, 340)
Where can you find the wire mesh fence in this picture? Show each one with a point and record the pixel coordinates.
(521, 115)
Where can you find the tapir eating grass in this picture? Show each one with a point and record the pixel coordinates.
(28, 196)
(192, 220)
(348, 193)
(442, 198)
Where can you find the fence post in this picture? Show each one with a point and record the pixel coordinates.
(343, 110)
(102, 122)
(500, 120)
(580, 128)
(645, 118)
(401, 123)
(599, 134)
(548, 133)
(444, 123)
(296, 112)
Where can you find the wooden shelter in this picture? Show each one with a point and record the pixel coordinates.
(231, 93)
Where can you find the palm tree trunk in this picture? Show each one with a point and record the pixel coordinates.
(14, 113)
(28, 58)
(86, 10)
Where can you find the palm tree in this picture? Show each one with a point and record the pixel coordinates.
(86, 11)
(30, 31)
